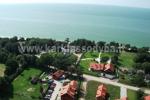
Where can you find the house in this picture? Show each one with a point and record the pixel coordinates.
(109, 68)
(58, 74)
(124, 98)
(97, 67)
(147, 97)
(101, 93)
(68, 91)
(102, 67)
(74, 84)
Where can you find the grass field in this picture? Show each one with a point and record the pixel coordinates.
(23, 89)
(107, 54)
(84, 65)
(126, 59)
(2, 69)
(91, 55)
(132, 95)
(96, 54)
(92, 88)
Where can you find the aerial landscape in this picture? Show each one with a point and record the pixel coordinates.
(74, 50)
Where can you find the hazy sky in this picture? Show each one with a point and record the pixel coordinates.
(132, 3)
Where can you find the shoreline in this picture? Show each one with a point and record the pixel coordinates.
(25, 37)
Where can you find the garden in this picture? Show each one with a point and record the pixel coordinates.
(23, 89)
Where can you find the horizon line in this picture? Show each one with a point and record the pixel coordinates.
(28, 3)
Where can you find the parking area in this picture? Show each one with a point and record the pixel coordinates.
(52, 87)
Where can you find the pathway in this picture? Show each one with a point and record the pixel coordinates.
(123, 92)
(114, 82)
(87, 59)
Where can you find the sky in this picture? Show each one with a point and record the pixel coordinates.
(130, 3)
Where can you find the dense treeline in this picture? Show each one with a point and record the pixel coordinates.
(139, 75)
(143, 62)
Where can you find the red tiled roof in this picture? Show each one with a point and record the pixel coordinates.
(58, 74)
(69, 89)
(109, 67)
(101, 92)
(124, 98)
(97, 67)
(147, 97)
(74, 84)
(102, 67)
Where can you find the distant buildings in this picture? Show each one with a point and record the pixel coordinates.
(68, 91)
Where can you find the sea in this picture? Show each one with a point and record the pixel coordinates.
(59, 21)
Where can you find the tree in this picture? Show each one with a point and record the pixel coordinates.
(21, 60)
(67, 40)
(104, 59)
(101, 43)
(30, 59)
(137, 80)
(64, 61)
(12, 47)
(3, 55)
(46, 59)
(137, 66)
(114, 59)
(127, 46)
(83, 42)
(142, 57)
(146, 67)
(14, 39)
(140, 95)
(4, 86)
(115, 44)
(143, 50)
(21, 39)
(11, 66)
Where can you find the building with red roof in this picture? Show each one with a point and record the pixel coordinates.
(109, 68)
(58, 74)
(68, 91)
(124, 98)
(97, 67)
(101, 92)
(102, 67)
(147, 97)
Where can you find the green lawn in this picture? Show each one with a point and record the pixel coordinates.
(91, 55)
(23, 89)
(2, 69)
(126, 59)
(107, 54)
(96, 54)
(92, 86)
(84, 65)
(132, 95)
